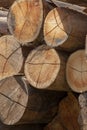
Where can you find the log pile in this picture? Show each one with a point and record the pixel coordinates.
(43, 64)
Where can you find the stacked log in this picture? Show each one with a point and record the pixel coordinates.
(42, 59)
(65, 28)
(45, 69)
(76, 71)
(11, 58)
(21, 104)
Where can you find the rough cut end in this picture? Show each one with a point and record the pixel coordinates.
(56, 27)
(76, 71)
(11, 57)
(42, 67)
(25, 19)
(13, 100)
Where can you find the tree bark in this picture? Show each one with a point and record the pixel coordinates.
(45, 69)
(65, 28)
(21, 104)
(67, 116)
(11, 58)
(76, 71)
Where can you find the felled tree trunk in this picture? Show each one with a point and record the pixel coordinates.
(26, 24)
(76, 71)
(20, 104)
(65, 28)
(45, 69)
(67, 116)
(11, 58)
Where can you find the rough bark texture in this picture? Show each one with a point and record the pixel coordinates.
(67, 117)
(30, 13)
(42, 67)
(76, 71)
(11, 58)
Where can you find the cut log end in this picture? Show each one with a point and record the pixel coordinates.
(76, 71)
(11, 58)
(42, 67)
(25, 19)
(13, 99)
(56, 27)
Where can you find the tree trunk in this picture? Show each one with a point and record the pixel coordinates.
(21, 104)
(76, 71)
(31, 17)
(45, 69)
(11, 58)
(65, 28)
(67, 116)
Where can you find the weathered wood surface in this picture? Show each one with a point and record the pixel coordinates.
(26, 24)
(66, 28)
(43, 66)
(11, 58)
(20, 104)
(67, 116)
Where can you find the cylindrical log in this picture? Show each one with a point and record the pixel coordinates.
(25, 19)
(45, 69)
(21, 104)
(65, 28)
(67, 116)
(11, 58)
(76, 71)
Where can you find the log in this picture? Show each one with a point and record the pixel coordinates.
(31, 17)
(67, 116)
(11, 58)
(65, 28)
(21, 104)
(45, 69)
(76, 71)
(78, 5)
(55, 33)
